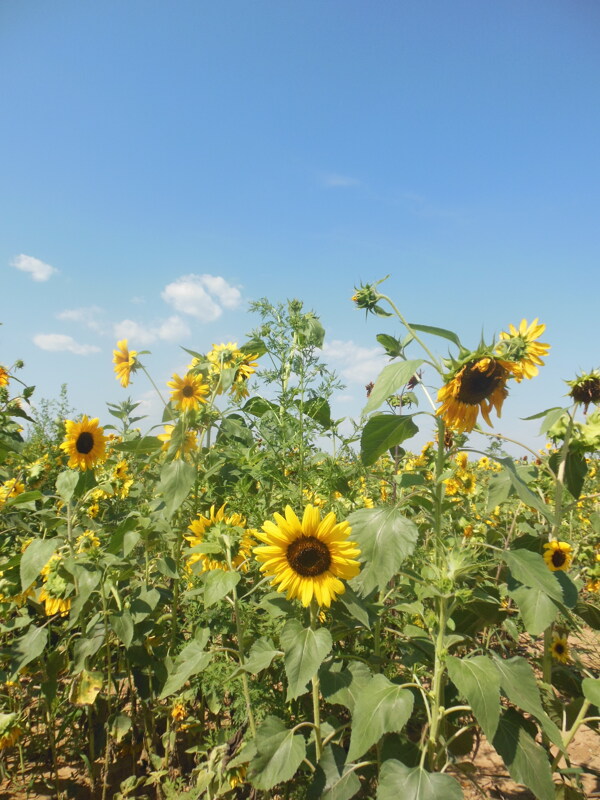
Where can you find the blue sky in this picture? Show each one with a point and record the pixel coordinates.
(295, 149)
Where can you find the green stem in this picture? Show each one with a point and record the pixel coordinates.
(437, 685)
(314, 616)
(413, 333)
(569, 737)
(240, 651)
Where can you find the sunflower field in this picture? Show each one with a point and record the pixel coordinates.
(249, 601)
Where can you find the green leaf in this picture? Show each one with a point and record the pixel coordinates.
(27, 648)
(122, 625)
(279, 754)
(526, 761)
(531, 570)
(575, 470)
(140, 445)
(523, 491)
(304, 651)
(386, 538)
(477, 679)
(35, 558)
(261, 655)
(24, 497)
(344, 685)
(536, 608)
(382, 432)
(391, 345)
(87, 577)
(176, 480)
(119, 726)
(66, 483)
(218, 583)
(589, 613)
(518, 683)
(591, 690)
(333, 780)
(382, 707)
(391, 378)
(190, 661)
(396, 781)
(441, 332)
(143, 604)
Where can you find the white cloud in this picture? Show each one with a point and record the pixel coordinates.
(85, 315)
(201, 296)
(355, 364)
(39, 270)
(171, 330)
(335, 180)
(56, 342)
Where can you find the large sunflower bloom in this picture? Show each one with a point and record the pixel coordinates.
(521, 348)
(84, 443)
(480, 384)
(307, 559)
(188, 392)
(558, 555)
(124, 361)
(209, 529)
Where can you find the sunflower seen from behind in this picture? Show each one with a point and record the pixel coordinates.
(124, 361)
(308, 558)
(84, 443)
(520, 347)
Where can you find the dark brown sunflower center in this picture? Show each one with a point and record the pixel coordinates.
(308, 556)
(187, 391)
(477, 383)
(84, 443)
(559, 648)
(558, 558)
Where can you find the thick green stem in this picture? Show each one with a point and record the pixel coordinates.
(314, 616)
(240, 650)
(579, 720)
(437, 685)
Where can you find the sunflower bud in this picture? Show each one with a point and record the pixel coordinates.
(586, 388)
(367, 297)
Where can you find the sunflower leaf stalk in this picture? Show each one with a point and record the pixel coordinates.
(316, 704)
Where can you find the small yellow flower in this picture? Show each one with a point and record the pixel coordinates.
(124, 361)
(178, 712)
(560, 649)
(519, 347)
(462, 459)
(188, 392)
(558, 555)
(4, 376)
(190, 442)
(10, 730)
(87, 541)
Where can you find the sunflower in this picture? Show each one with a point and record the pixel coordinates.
(210, 530)
(308, 558)
(188, 392)
(224, 356)
(10, 730)
(3, 376)
(586, 388)
(124, 361)
(520, 347)
(478, 384)
(189, 443)
(84, 443)
(560, 649)
(558, 555)
(55, 588)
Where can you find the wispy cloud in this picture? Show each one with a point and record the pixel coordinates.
(355, 364)
(201, 296)
(334, 180)
(57, 342)
(172, 329)
(87, 316)
(39, 270)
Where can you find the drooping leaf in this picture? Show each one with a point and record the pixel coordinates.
(382, 432)
(28, 648)
(530, 569)
(443, 333)
(575, 470)
(333, 780)
(122, 624)
(526, 761)
(304, 651)
(262, 653)
(176, 481)
(518, 683)
(85, 688)
(35, 557)
(399, 782)
(218, 583)
(279, 754)
(386, 538)
(529, 497)
(119, 726)
(392, 346)
(391, 378)
(477, 679)
(591, 690)
(190, 661)
(382, 707)
(536, 608)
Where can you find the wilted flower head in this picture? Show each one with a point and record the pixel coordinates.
(585, 388)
